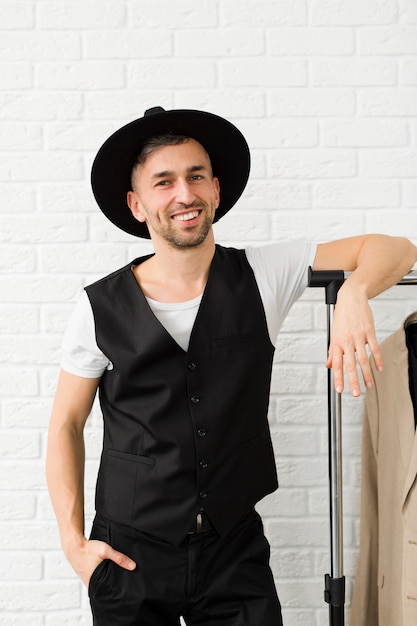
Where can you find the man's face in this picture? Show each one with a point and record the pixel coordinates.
(175, 193)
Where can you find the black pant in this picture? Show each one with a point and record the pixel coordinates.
(207, 580)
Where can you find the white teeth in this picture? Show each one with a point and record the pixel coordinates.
(184, 217)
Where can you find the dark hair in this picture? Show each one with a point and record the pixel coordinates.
(154, 143)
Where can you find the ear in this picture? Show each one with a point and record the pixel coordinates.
(216, 186)
(135, 205)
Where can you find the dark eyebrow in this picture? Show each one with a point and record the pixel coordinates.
(163, 174)
(168, 173)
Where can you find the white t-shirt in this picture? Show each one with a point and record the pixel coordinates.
(280, 271)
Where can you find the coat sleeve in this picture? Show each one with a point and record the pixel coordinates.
(364, 609)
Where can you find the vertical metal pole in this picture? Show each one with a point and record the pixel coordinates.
(335, 468)
(335, 583)
(334, 592)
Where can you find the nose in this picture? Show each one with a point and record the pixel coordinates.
(183, 192)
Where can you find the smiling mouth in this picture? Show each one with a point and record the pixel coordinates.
(185, 217)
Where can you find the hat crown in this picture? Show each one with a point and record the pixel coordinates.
(154, 111)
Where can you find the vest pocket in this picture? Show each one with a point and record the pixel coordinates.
(117, 483)
(134, 458)
(232, 340)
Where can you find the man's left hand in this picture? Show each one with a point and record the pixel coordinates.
(352, 331)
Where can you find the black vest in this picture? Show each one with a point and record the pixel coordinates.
(184, 431)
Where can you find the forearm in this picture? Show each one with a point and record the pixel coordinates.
(381, 262)
(65, 477)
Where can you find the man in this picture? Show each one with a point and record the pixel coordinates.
(180, 345)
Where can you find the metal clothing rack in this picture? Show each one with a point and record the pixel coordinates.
(334, 593)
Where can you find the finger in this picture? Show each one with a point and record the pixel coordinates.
(120, 559)
(352, 373)
(335, 361)
(376, 353)
(365, 366)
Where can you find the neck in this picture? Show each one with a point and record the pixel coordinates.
(176, 274)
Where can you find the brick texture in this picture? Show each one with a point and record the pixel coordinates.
(326, 93)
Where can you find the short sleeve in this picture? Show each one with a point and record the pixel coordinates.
(80, 353)
(281, 272)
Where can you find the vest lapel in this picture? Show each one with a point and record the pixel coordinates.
(145, 311)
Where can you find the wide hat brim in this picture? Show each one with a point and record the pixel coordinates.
(111, 170)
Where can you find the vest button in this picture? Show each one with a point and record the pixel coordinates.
(201, 432)
(195, 399)
(192, 366)
(203, 464)
(203, 494)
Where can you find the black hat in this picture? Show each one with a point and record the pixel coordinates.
(112, 167)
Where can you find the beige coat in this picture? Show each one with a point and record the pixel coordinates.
(385, 589)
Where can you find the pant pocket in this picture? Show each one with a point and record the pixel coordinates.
(100, 531)
(97, 577)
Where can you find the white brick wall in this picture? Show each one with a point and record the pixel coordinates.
(326, 93)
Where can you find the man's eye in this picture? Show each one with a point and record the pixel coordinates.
(197, 177)
(162, 183)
